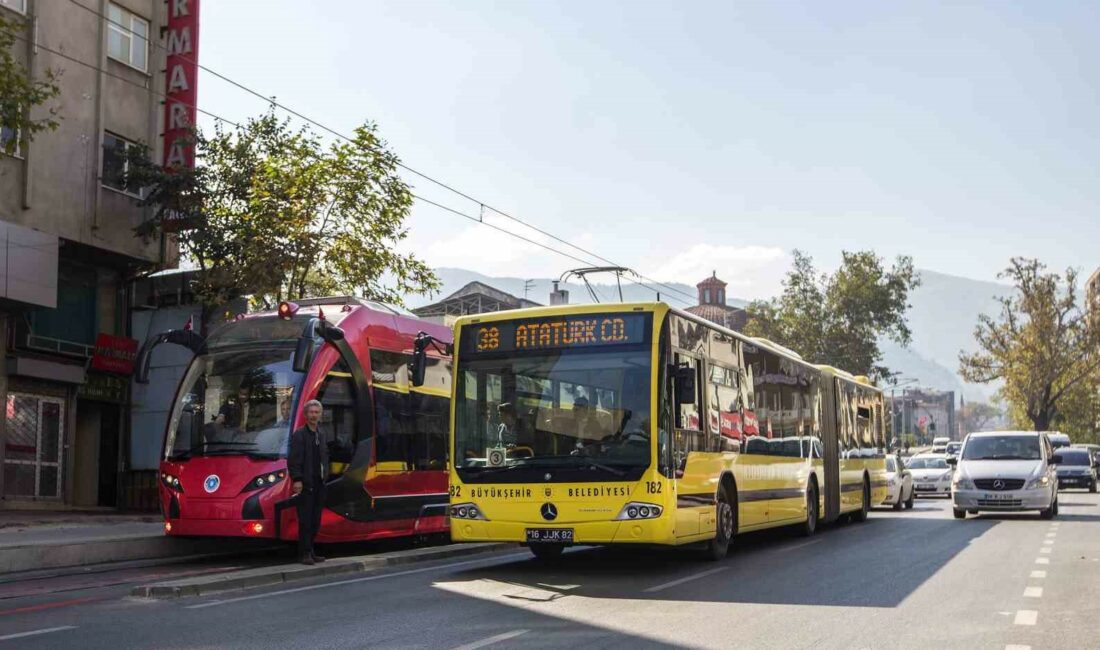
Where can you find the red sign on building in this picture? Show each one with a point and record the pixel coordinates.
(181, 78)
(114, 354)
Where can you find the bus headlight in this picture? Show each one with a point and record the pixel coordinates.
(467, 511)
(264, 481)
(637, 510)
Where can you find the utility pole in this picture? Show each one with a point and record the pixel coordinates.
(528, 285)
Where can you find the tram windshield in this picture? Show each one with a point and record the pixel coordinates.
(235, 402)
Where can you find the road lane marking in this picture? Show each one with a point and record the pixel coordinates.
(396, 574)
(45, 630)
(1033, 592)
(1045, 549)
(694, 576)
(1017, 647)
(1026, 617)
(1042, 560)
(491, 640)
(1038, 573)
(794, 546)
(1048, 542)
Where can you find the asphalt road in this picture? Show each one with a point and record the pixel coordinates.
(916, 579)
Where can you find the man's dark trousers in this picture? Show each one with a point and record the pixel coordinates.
(311, 502)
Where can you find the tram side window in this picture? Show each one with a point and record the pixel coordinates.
(412, 429)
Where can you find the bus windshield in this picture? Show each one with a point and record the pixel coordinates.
(234, 402)
(583, 413)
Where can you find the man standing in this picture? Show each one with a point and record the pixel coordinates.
(307, 462)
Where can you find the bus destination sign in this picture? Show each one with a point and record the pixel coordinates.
(564, 332)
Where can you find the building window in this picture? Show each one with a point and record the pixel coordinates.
(127, 38)
(9, 139)
(15, 5)
(116, 163)
(706, 296)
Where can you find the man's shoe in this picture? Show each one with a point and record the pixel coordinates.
(318, 558)
(308, 560)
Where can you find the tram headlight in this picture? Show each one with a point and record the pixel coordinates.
(637, 510)
(171, 481)
(264, 481)
(467, 511)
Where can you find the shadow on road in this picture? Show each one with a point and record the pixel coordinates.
(872, 564)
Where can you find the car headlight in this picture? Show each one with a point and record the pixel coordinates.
(170, 481)
(264, 481)
(962, 483)
(467, 511)
(1038, 482)
(891, 481)
(638, 510)
(947, 475)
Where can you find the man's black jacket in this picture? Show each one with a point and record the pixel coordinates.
(307, 458)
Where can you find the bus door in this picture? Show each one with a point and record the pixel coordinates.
(694, 490)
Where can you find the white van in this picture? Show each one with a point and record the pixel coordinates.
(1005, 471)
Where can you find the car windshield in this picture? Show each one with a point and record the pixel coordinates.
(1002, 448)
(927, 463)
(954, 447)
(570, 409)
(234, 402)
(1074, 457)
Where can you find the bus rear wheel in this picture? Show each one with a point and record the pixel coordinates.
(861, 514)
(718, 547)
(547, 552)
(809, 527)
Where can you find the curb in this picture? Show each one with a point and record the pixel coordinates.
(59, 555)
(267, 576)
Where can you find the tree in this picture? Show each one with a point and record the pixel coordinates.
(838, 319)
(978, 416)
(1042, 346)
(20, 93)
(272, 213)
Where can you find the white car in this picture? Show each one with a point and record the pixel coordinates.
(1006, 471)
(931, 475)
(899, 482)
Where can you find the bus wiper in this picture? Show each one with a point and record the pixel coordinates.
(494, 470)
(601, 466)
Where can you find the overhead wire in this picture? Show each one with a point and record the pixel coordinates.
(272, 101)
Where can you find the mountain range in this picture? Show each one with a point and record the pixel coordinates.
(944, 310)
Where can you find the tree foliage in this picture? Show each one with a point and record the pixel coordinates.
(20, 93)
(838, 319)
(1042, 347)
(978, 416)
(273, 213)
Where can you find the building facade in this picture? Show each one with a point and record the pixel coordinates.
(919, 415)
(474, 298)
(71, 256)
(712, 305)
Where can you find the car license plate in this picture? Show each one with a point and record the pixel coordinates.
(926, 486)
(995, 496)
(549, 535)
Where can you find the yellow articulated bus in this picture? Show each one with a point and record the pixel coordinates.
(644, 424)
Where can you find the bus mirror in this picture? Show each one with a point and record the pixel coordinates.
(685, 385)
(418, 366)
(303, 351)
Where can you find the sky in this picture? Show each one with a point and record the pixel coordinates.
(681, 138)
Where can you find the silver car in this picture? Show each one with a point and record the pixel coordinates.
(1005, 471)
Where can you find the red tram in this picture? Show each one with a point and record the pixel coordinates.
(223, 470)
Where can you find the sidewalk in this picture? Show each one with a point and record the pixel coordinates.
(31, 541)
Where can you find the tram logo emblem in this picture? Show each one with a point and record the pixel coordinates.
(998, 484)
(549, 511)
(212, 483)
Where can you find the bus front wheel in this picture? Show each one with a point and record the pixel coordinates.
(724, 528)
(547, 552)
